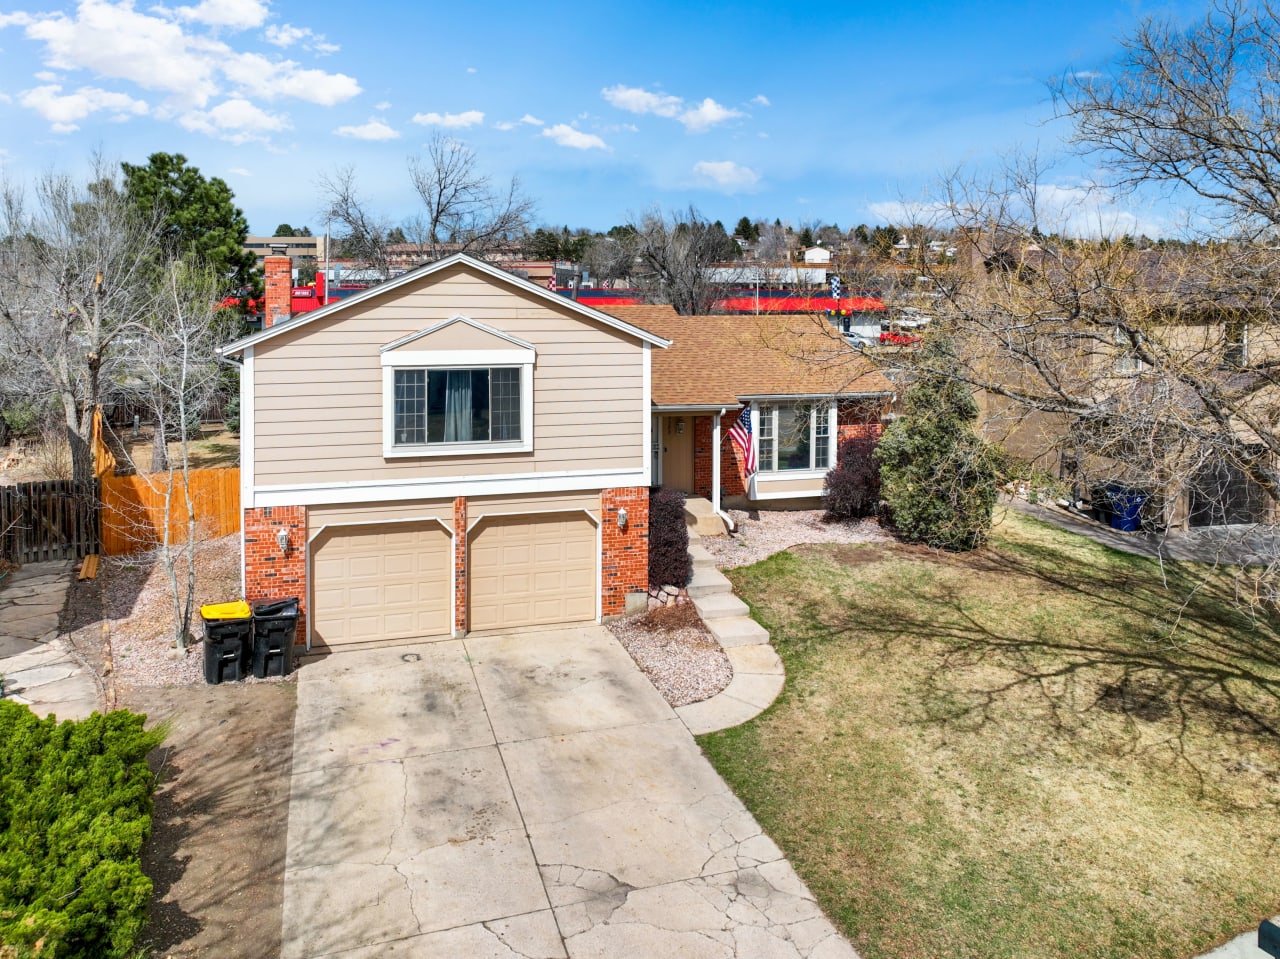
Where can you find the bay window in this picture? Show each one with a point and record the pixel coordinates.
(795, 437)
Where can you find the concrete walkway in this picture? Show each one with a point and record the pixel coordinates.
(37, 664)
(526, 795)
(1215, 544)
(758, 675)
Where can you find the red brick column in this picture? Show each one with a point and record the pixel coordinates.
(733, 473)
(624, 553)
(460, 565)
(270, 573)
(702, 456)
(278, 287)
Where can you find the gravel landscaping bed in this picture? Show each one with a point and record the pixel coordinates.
(137, 604)
(761, 534)
(674, 649)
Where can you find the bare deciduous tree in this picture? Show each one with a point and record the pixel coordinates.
(365, 236)
(675, 255)
(1196, 108)
(175, 362)
(462, 210)
(461, 207)
(75, 265)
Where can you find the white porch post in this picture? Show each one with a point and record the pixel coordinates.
(715, 461)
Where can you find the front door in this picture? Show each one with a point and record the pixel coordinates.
(677, 452)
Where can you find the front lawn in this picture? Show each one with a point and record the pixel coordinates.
(1037, 750)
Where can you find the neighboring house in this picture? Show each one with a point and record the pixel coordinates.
(805, 387)
(456, 449)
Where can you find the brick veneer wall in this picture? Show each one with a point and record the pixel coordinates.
(460, 565)
(624, 559)
(733, 472)
(270, 573)
(858, 419)
(702, 456)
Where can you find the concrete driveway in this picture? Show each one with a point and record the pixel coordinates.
(525, 795)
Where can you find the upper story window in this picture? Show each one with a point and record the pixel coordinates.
(457, 406)
(472, 394)
(795, 437)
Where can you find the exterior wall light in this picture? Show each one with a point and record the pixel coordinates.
(282, 537)
(622, 518)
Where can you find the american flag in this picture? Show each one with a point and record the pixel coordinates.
(740, 433)
(837, 289)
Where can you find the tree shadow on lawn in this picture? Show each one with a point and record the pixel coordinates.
(1174, 660)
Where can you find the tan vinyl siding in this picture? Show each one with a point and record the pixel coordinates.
(537, 503)
(798, 487)
(457, 336)
(345, 513)
(318, 391)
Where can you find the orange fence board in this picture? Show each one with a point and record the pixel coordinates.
(134, 508)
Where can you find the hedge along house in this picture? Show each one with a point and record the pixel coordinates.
(454, 450)
(805, 388)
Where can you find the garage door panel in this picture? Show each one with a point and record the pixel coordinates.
(378, 583)
(532, 570)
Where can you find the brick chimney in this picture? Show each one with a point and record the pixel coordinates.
(278, 271)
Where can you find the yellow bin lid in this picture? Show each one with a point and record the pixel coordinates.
(237, 610)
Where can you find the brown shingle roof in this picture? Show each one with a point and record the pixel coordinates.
(715, 360)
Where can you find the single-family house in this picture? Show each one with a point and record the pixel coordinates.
(804, 389)
(456, 449)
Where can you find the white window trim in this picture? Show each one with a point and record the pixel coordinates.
(812, 472)
(455, 359)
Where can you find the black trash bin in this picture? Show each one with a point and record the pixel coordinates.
(228, 631)
(275, 628)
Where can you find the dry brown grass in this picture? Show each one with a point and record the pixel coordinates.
(1016, 752)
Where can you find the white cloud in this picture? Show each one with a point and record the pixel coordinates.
(453, 121)
(567, 136)
(637, 100)
(63, 111)
(375, 129)
(48, 76)
(111, 39)
(286, 35)
(240, 171)
(706, 115)
(530, 119)
(384, 105)
(236, 14)
(908, 212)
(15, 19)
(504, 125)
(761, 100)
(270, 79)
(471, 69)
(237, 121)
(727, 175)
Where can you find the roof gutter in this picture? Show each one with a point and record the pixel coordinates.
(869, 395)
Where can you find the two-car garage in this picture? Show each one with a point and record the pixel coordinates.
(390, 579)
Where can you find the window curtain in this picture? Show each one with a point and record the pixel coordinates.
(457, 422)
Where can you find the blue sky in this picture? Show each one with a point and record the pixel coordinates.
(807, 112)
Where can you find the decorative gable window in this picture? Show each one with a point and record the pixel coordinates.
(472, 393)
(795, 437)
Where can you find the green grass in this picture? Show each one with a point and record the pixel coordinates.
(1047, 748)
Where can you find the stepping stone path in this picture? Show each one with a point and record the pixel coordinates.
(757, 671)
(36, 663)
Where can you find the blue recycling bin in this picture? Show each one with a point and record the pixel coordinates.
(1126, 507)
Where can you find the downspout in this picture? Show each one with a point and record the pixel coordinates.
(715, 473)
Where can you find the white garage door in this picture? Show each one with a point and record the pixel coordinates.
(381, 582)
(532, 570)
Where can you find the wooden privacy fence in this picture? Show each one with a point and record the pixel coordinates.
(55, 519)
(133, 508)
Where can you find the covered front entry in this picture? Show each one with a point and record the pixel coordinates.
(675, 434)
(381, 582)
(532, 570)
